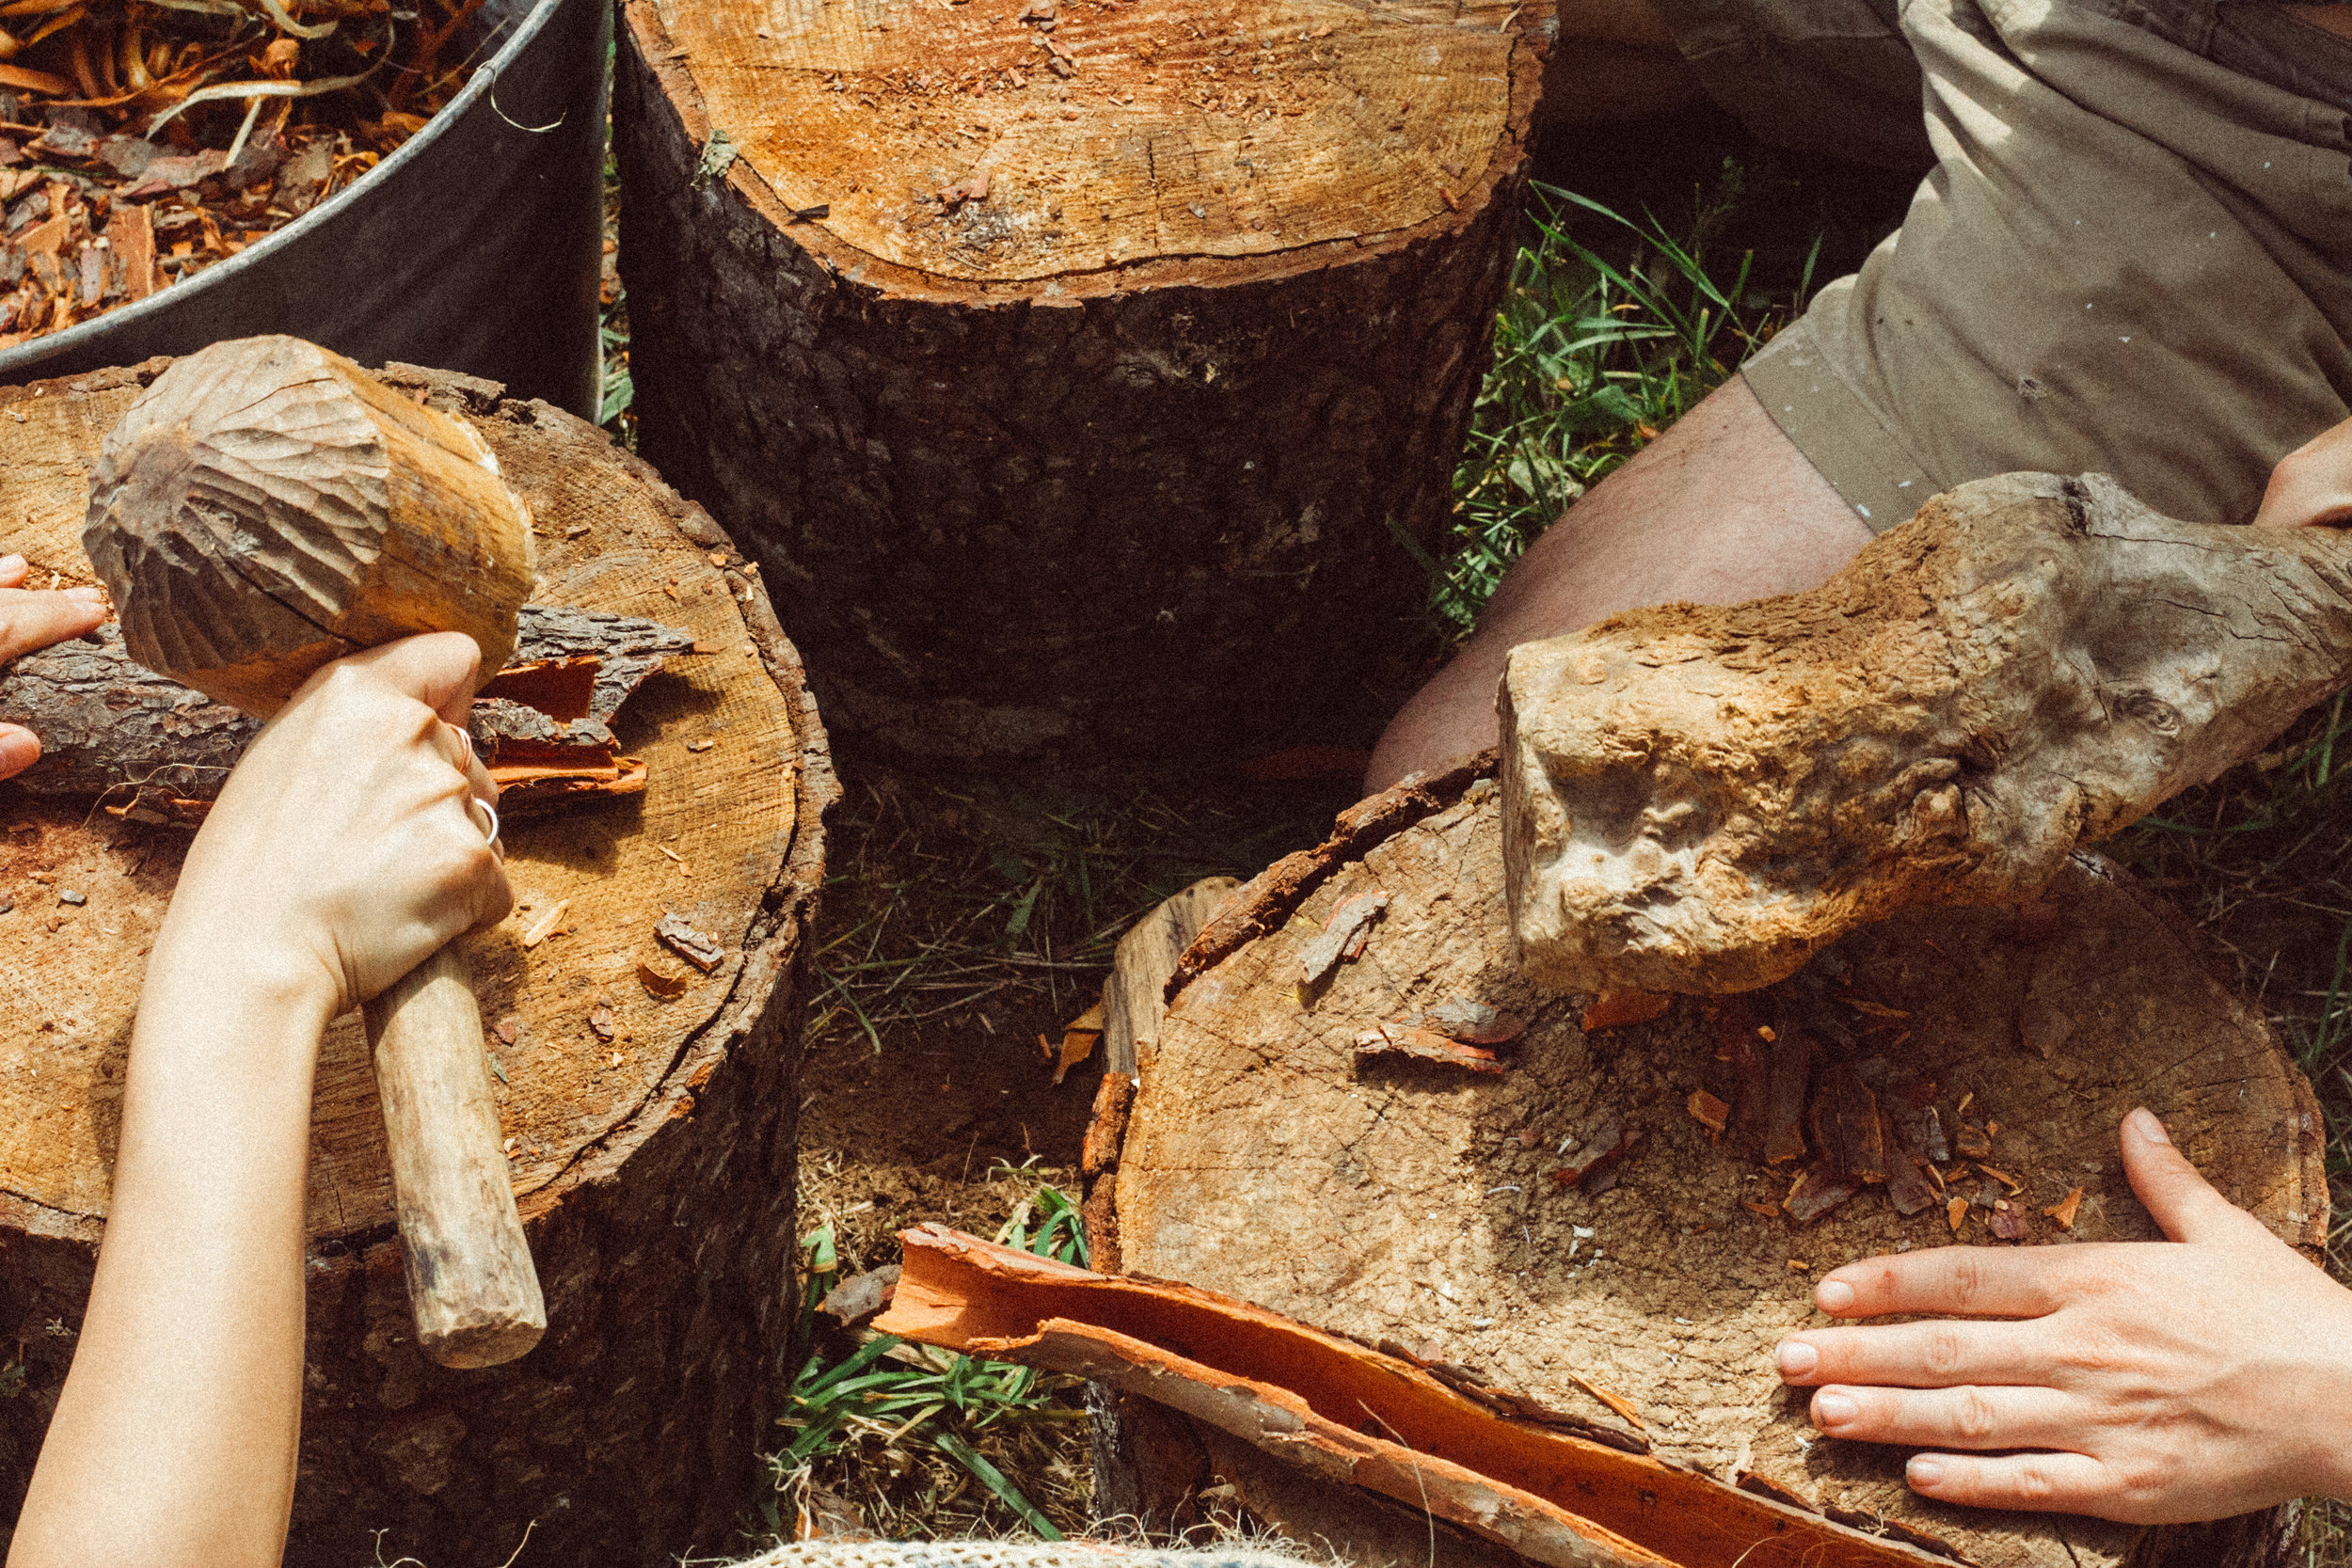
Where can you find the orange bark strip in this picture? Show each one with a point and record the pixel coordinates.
(1313, 1398)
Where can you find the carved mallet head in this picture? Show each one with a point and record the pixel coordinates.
(266, 507)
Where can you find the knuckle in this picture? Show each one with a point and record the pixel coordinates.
(2036, 1484)
(1974, 1419)
(1965, 1278)
(1943, 1351)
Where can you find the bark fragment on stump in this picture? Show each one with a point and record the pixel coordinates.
(1699, 798)
(1077, 377)
(1414, 1209)
(633, 1428)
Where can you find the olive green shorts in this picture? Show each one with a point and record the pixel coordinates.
(2132, 251)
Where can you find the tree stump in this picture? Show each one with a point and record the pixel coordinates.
(652, 1140)
(1080, 366)
(1277, 1149)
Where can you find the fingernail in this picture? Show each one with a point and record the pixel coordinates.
(1834, 1410)
(1833, 1295)
(11, 562)
(2144, 1123)
(86, 596)
(1797, 1358)
(1924, 1471)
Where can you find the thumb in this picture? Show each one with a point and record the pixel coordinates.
(2184, 1203)
(19, 749)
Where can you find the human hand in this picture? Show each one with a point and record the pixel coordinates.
(350, 844)
(30, 621)
(2162, 1381)
(2312, 484)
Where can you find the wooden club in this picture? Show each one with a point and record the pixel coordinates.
(264, 508)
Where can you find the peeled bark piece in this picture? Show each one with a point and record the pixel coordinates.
(1255, 1160)
(154, 750)
(1696, 799)
(1349, 1413)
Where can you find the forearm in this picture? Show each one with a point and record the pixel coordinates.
(174, 1440)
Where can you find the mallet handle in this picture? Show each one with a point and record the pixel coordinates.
(470, 1280)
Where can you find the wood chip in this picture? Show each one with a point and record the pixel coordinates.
(1604, 1146)
(1818, 1191)
(2002, 1177)
(2065, 1209)
(682, 939)
(1344, 936)
(601, 1021)
(1425, 1045)
(1956, 1210)
(1972, 1141)
(664, 988)
(1846, 1127)
(1077, 1040)
(1707, 1111)
(1784, 1111)
(508, 1028)
(1473, 1022)
(1770, 1211)
(1622, 1406)
(545, 926)
(1615, 1009)
(2009, 1222)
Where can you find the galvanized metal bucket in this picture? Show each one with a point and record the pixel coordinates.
(475, 246)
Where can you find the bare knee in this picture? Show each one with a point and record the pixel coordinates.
(1720, 509)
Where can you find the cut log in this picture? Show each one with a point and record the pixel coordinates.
(1080, 366)
(651, 1139)
(152, 750)
(1698, 798)
(1413, 1204)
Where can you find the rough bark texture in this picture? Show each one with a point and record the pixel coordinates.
(1114, 455)
(154, 751)
(1421, 1206)
(652, 1167)
(1698, 799)
(1505, 1468)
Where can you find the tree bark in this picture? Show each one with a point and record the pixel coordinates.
(1697, 798)
(652, 1139)
(1083, 380)
(1433, 1211)
(152, 750)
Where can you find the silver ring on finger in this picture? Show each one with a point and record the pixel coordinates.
(474, 803)
(465, 749)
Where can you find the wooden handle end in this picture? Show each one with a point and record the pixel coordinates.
(470, 1280)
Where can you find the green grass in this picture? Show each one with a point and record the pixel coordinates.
(954, 1423)
(1597, 351)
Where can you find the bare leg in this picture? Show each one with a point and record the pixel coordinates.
(1720, 509)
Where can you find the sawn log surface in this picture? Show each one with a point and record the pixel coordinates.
(1077, 364)
(1416, 1204)
(652, 1167)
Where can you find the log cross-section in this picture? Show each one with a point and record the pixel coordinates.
(1092, 369)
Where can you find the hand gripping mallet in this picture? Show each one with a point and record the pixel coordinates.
(266, 507)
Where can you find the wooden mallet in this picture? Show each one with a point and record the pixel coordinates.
(264, 508)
